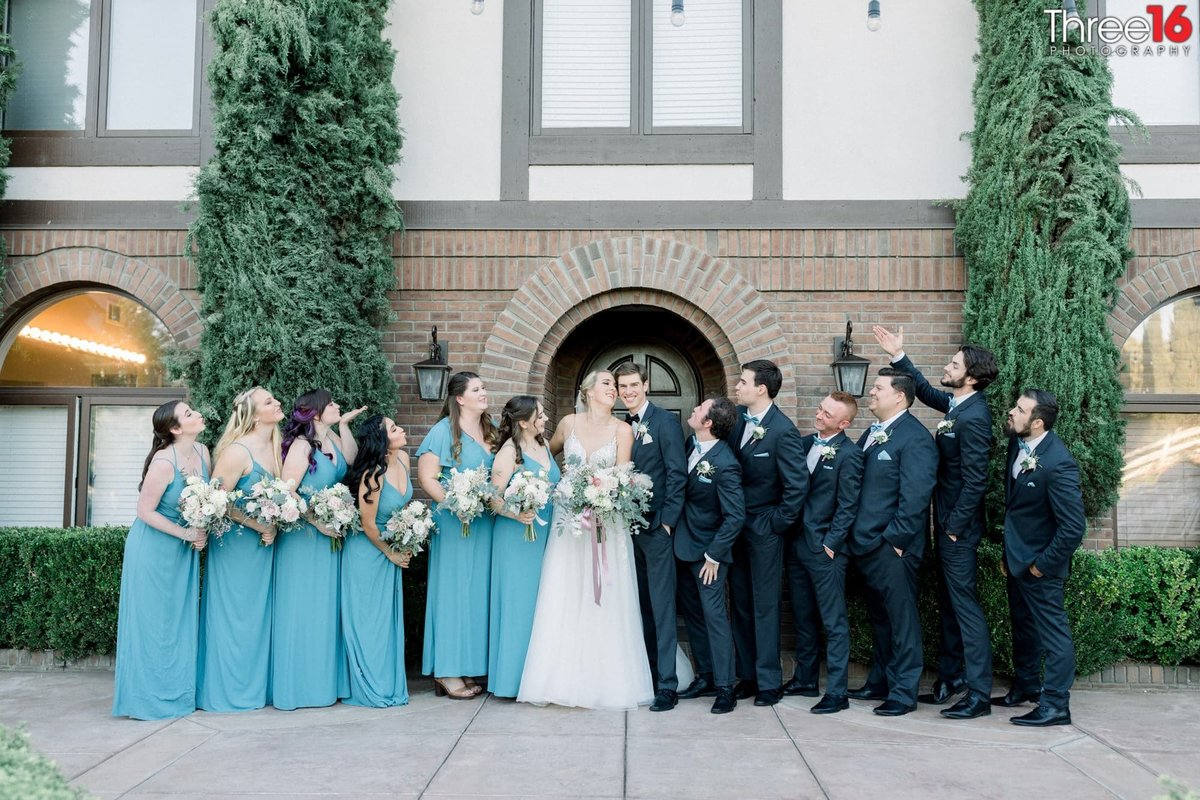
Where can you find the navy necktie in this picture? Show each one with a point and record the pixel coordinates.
(633, 419)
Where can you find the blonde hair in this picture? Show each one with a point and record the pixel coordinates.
(242, 422)
(585, 386)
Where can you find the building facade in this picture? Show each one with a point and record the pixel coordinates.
(581, 183)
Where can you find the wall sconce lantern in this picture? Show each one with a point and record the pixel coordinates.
(677, 17)
(433, 373)
(874, 22)
(849, 370)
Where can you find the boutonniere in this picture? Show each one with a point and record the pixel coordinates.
(945, 426)
(640, 430)
(1029, 463)
(880, 437)
(828, 452)
(706, 469)
(758, 432)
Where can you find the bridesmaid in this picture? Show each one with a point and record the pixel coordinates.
(235, 609)
(372, 592)
(308, 658)
(158, 617)
(516, 563)
(456, 606)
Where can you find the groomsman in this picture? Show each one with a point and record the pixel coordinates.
(888, 538)
(713, 513)
(657, 452)
(774, 482)
(1043, 526)
(835, 467)
(964, 442)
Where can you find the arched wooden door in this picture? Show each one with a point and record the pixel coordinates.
(674, 382)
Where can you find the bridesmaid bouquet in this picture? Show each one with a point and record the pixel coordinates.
(334, 508)
(203, 504)
(408, 528)
(272, 502)
(467, 494)
(527, 491)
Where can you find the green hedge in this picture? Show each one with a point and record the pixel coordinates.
(27, 775)
(59, 590)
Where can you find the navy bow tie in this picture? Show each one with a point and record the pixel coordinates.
(633, 419)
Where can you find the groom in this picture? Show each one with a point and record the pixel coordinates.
(657, 452)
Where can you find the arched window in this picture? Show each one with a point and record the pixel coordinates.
(80, 375)
(1160, 493)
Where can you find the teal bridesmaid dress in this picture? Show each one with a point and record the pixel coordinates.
(460, 571)
(308, 656)
(158, 618)
(516, 571)
(373, 613)
(235, 616)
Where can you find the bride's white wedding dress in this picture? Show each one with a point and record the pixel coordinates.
(582, 653)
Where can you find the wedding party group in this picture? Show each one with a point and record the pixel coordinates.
(559, 564)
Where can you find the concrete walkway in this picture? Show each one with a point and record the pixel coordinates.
(436, 748)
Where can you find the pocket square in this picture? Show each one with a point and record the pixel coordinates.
(1031, 483)
(827, 467)
(647, 439)
(883, 456)
(949, 435)
(761, 455)
(703, 479)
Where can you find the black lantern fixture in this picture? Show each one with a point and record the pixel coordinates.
(433, 372)
(849, 370)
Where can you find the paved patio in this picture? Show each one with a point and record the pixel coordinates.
(435, 748)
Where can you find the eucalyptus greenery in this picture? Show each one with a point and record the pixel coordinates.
(1045, 233)
(296, 215)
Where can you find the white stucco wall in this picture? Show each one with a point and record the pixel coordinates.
(100, 183)
(1164, 181)
(1161, 89)
(669, 182)
(450, 77)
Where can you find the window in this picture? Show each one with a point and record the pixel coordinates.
(80, 377)
(620, 66)
(105, 82)
(1160, 492)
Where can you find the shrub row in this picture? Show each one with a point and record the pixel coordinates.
(59, 590)
(28, 775)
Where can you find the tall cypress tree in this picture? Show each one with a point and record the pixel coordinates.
(9, 69)
(1044, 230)
(296, 211)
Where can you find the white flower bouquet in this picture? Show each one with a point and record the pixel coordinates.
(272, 502)
(203, 504)
(467, 494)
(334, 508)
(408, 529)
(527, 491)
(614, 497)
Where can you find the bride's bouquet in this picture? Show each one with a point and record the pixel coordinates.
(203, 504)
(408, 528)
(272, 502)
(467, 494)
(334, 508)
(617, 498)
(527, 491)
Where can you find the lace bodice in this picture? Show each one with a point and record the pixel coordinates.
(606, 456)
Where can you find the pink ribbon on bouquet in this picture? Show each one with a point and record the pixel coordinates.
(591, 526)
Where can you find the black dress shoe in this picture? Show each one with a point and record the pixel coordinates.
(1043, 717)
(746, 689)
(971, 706)
(831, 704)
(795, 687)
(867, 693)
(1015, 698)
(894, 708)
(943, 691)
(664, 700)
(702, 686)
(725, 702)
(768, 697)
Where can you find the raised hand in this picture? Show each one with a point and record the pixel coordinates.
(349, 416)
(892, 343)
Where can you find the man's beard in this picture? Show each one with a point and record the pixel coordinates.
(950, 383)
(1010, 430)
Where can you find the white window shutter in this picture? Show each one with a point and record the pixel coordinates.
(698, 66)
(33, 469)
(585, 64)
(120, 440)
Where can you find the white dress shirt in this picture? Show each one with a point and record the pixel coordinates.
(1033, 445)
(746, 434)
(887, 423)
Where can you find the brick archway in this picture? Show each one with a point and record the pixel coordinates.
(705, 291)
(1149, 290)
(31, 279)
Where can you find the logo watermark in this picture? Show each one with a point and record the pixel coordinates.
(1163, 31)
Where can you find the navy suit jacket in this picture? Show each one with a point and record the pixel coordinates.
(1044, 523)
(774, 475)
(897, 482)
(963, 453)
(714, 511)
(833, 490)
(664, 460)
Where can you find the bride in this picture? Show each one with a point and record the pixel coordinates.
(587, 648)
